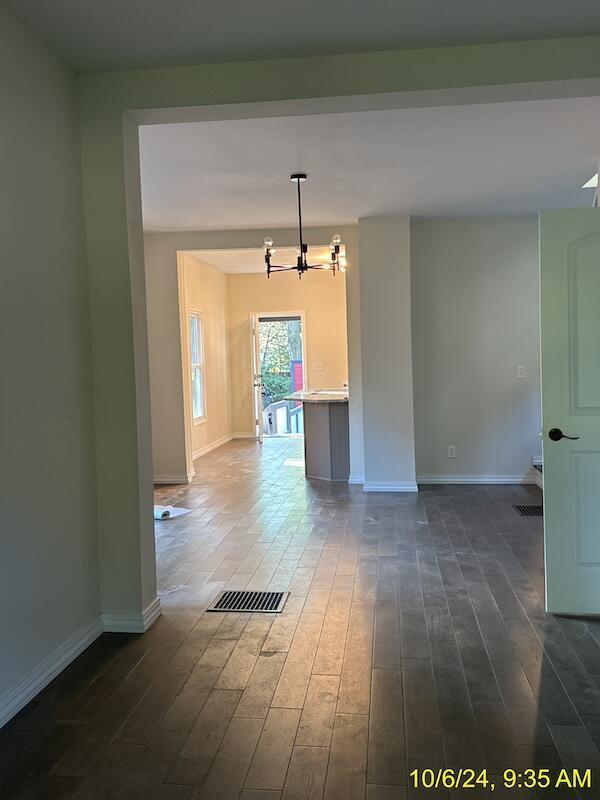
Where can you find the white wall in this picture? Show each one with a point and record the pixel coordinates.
(475, 319)
(385, 311)
(49, 588)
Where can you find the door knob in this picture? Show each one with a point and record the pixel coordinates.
(555, 435)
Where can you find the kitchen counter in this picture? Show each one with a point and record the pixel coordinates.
(320, 396)
(326, 434)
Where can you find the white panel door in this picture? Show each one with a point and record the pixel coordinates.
(570, 331)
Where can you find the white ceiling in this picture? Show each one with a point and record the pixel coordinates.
(96, 35)
(502, 158)
(241, 262)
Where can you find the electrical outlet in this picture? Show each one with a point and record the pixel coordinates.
(451, 451)
(318, 366)
(521, 372)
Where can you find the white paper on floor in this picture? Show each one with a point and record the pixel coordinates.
(168, 512)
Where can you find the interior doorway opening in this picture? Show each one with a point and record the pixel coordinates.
(280, 372)
(204, 310)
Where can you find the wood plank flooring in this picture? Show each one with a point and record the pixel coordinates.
(415, 636)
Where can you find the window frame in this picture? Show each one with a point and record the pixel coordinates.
(192, 366)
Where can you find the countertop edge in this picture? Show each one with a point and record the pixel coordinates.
(320, 397)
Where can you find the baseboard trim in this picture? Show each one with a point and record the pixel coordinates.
(538, 477)
(244, 436)
(372, 486)
(476, 479)
(32, 684)
(357, 480)
(117, 622)
(17, 697)
(213, 446)
(174, 479)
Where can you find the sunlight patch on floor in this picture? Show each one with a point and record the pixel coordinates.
(294, 462)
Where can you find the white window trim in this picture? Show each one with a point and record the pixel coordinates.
(192, 312)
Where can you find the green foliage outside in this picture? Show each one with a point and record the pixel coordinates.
(280, 342)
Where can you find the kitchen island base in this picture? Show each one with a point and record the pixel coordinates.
(326, 441)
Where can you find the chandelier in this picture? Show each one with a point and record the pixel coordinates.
(334, 264)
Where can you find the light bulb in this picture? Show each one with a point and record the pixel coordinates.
(268, 242)
(336, 240)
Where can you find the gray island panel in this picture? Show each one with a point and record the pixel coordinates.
(326, 434)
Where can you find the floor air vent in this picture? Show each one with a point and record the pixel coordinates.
(261, 602)
(530, 511)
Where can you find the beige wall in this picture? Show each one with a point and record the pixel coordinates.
(228, 301)
(205, 290)
(164, 337)
(321, 297)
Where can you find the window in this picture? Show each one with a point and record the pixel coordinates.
(197, 365)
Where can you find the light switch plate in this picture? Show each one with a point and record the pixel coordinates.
(521, 372)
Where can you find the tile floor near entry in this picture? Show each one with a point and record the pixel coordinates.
(414, 637)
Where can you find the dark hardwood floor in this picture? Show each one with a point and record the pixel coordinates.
(415, 636)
